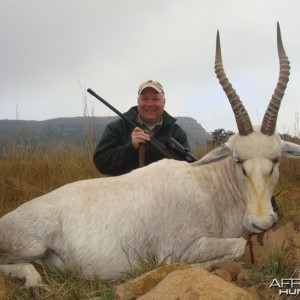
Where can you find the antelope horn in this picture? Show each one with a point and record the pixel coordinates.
(241, 116)
(269, 122)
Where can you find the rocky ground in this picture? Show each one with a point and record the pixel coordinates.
(226, 280)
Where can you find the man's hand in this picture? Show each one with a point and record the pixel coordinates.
(138, 137)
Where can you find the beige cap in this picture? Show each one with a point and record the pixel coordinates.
(153, 84)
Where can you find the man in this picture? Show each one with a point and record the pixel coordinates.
(123, 148)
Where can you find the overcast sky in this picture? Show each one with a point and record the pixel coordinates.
(51, 51)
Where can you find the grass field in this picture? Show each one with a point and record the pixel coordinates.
(25, 175)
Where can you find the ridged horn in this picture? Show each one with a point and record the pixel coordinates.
(241, 116)
(270, 118)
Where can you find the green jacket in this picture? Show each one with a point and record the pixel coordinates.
(115, 154)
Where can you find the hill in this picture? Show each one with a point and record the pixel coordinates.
(76, 131)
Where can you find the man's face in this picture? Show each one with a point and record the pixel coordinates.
(151, 105)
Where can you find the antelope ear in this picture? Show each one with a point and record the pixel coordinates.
(216, 154)
(289, 149)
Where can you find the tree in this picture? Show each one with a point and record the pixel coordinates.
(220, 136)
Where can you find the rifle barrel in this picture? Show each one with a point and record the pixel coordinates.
(111, 107)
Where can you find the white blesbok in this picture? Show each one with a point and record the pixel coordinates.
(192, 212)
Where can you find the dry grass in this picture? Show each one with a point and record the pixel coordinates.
(27, 174)
(58, 284)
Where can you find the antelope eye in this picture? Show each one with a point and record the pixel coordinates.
(238, 160)
(275, 160)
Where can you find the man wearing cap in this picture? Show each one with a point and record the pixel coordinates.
(123, 148)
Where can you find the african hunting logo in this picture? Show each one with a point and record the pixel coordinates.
(287, 286)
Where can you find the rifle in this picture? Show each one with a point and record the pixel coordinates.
(177, 151)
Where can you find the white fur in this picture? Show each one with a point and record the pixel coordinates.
(188, 212)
